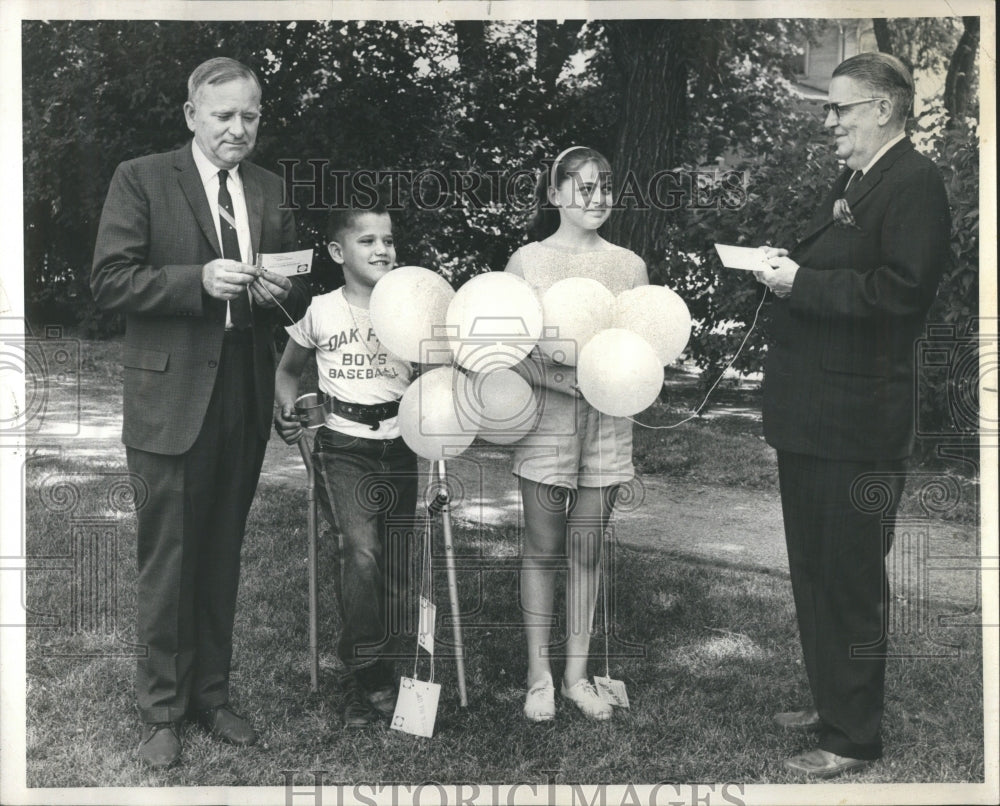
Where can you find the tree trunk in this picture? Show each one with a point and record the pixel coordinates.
(882, 35)
(652, 61)
(553, 45)
(471, 46)
(473, 62)
(958, 82)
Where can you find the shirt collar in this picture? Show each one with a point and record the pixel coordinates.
(881, 152)
(206, 170)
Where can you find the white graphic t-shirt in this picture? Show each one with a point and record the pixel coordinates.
(353, 364)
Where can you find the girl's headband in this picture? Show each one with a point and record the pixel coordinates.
(555, 164)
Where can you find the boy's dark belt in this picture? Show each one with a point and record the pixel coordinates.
(371, 416)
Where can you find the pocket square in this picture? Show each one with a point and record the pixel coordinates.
(842, 214)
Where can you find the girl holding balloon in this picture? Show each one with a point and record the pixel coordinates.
(572, 463)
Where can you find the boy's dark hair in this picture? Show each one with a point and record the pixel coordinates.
(341, 218)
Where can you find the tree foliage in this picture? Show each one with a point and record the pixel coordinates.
(469, 99)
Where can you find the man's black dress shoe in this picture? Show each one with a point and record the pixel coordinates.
(160, 747)
(799, 720)
(223, 723)
(823, 764)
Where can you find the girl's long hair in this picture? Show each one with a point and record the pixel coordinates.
(545, 217)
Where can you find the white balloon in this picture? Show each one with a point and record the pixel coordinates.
(507, 408)
(407, 309)
(657, 314)
(573, 311)
(619, 372)
(494, 321)
(437, 414)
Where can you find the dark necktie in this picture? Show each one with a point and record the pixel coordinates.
(854, 178)
(239, 307)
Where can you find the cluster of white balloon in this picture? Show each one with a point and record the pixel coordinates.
(619, 346)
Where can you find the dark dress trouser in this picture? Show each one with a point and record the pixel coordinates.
(190, 532)
(837, 542)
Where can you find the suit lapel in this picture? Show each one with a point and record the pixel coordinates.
(194, 190)
(862, 187)
(871, 180)
(824, 216)
(858, 190)
(254, 195)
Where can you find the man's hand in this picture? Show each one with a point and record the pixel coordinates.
(226, 279)
(269, 289)
(781, 276)
(288, 424)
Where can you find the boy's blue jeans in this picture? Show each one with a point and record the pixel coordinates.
(367, 488)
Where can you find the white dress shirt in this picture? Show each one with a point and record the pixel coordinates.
(210, 179)
(881, 151)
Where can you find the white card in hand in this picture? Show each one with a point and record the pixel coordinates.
(611, 691)
(287, 264)
(742, 257)
(416, 707)
(428, 618)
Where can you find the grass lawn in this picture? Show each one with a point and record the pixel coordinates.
(708, 650)
(717, 655)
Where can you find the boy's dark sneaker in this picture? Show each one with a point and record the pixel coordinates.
(383, 700)
(358, 711)
(378, 683)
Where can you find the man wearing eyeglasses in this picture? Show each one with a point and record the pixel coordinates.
(852, 298)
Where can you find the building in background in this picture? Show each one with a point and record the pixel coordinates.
(839, 40)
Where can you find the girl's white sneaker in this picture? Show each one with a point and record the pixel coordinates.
(583, 694)
(540, 704)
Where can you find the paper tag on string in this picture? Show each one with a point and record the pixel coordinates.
(416, 707)
(611, 691)
(428, 618)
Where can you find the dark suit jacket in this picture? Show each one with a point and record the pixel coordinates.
(838, 379)
(156, 232)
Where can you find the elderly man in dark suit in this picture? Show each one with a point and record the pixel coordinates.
(175, 254)
(852, 298)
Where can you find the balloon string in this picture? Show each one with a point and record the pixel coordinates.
(289, 317)
(701, 405)
(601, 560)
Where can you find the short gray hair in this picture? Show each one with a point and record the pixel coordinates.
(218, 71)
(885, 75)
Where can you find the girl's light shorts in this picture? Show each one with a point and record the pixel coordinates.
(574, 445)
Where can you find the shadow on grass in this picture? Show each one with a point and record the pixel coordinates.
(708, 653)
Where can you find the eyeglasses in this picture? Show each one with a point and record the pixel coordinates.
(838, 107)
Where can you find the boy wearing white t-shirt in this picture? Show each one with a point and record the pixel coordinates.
(366, 476)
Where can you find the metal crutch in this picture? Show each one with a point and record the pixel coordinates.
(442, 504)
(313, 594)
